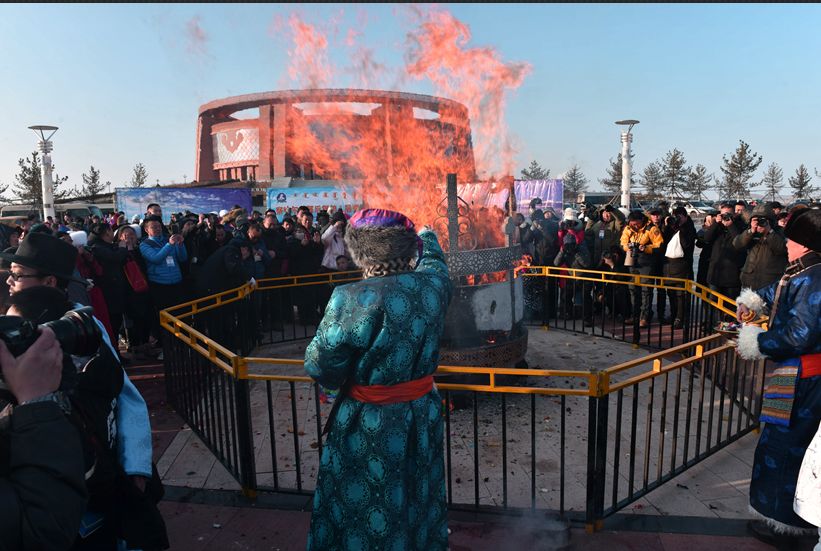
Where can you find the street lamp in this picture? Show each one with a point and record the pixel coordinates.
(45, 172)
(626, 168)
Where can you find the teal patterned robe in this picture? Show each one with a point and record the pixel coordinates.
(381, 483)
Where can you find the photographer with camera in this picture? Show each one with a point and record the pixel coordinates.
(726, 261)
(115, 509)
(766, 249)
(42, 487)
(43, 260)
(639, 240)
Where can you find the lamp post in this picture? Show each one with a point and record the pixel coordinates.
(626, 165)
(45, 170)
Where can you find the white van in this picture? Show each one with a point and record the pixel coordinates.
(77, 210)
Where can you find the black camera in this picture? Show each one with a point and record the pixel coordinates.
(762, 221)
(726, 216)
(77, 332)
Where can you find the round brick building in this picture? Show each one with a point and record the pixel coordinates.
(334, 134)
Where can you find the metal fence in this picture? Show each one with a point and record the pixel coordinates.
(584, 444)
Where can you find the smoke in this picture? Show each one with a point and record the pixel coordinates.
(309, 65)
(196, 37)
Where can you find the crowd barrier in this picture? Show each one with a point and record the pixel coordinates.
(584, 444)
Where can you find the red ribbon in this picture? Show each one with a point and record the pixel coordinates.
(392, 394)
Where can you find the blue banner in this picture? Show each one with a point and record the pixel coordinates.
(197, 200)
(288, 200)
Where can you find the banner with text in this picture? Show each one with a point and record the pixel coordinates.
(197, 200)
(288, 200)
(549, 191)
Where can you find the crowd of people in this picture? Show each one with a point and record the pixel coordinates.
(129, 271)
(738, 247)
(126, 272)
(376, 343)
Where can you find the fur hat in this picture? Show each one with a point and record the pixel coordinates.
(378, 236)
(804, 227)
(570, 215)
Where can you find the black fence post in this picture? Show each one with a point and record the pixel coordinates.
(596, 461)
(245, 438)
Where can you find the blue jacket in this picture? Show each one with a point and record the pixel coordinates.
(163, 260)
(796, 329)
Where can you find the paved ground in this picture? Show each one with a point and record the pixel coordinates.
(705, 508)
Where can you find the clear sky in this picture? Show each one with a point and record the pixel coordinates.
(124, 82)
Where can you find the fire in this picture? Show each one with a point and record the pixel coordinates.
(424, 146)
(522, 264)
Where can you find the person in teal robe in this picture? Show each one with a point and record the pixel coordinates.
(381, 482)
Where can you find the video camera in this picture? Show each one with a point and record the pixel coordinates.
(77, 332)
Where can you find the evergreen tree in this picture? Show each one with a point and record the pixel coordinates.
(612, 182)
(92, 186)
(801, 183)
(28, 184)
(535, 172)
(739, 169)
(574, 183)
(652, 180)
(773, 181)
(675, 173)
(698, 182)
(140, 176)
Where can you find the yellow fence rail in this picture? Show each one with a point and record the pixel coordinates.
(597, 383)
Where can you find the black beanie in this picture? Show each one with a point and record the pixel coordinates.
(804, 227)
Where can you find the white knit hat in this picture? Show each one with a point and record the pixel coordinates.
(137, 229)
(79, 238)
(570, 215)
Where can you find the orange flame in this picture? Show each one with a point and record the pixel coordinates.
(350, 140)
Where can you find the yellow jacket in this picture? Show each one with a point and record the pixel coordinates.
(648, 235)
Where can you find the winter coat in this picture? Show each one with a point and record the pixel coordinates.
(577, 260)
(807, 502)
(546, 243)
(725, 261)
(113, 282)
(649, 236)
(163, 260)
(601, 236)
(275, 241)
(42, 478)
(304, 259)
(766, 257)
(334, 243)
(223, 270)
(681, 267)
(703, 258)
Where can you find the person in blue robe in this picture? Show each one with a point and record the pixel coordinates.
(381, 482)
(792, 401)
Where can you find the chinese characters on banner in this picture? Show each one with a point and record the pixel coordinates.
(288, 200)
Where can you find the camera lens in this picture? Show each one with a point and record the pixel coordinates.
(77, 332)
